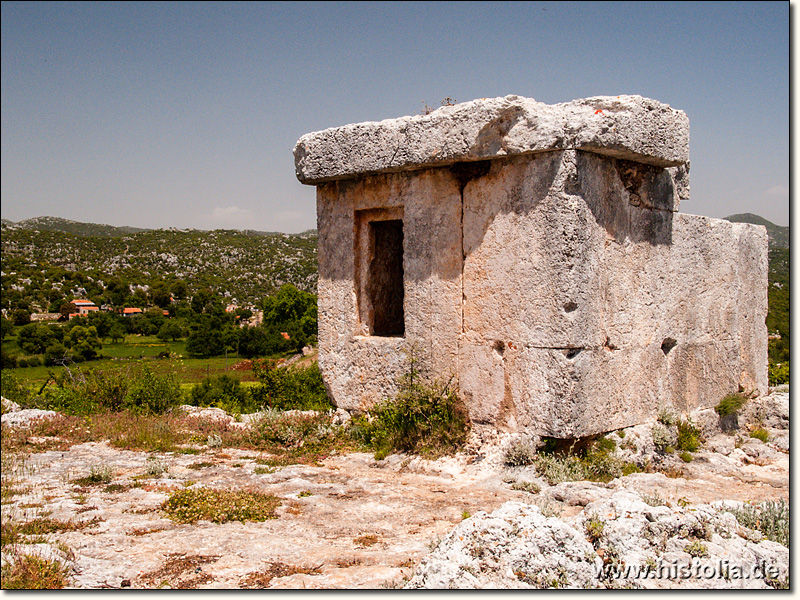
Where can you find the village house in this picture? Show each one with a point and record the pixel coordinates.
(534, 253)
(84, 307)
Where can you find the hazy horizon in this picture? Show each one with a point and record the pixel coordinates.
(257, 230)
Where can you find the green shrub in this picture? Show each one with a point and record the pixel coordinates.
(730, 404)
(7, 360)
(594, 527)
(85, 393)
(278, 432)
(688, 436)
(288, 388)
(556, 469)
(778, 373)
(521, 452)
(667, 417)
(425, 418)
(223, 392)
(654, 500)
(770, 518)
(13, 390)
(696, 549)
(664, 437)
(151, 393)
(30, 572)
(760, 433)
(593, 461)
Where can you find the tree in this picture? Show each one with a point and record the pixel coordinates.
(180, 290)
(118, 293)
(21, 317)
(67, 309)
(206, 302)
(117, 333)
(84, 342)
(294, 312)
(262, 341)
(139, 298)
(170, 330)
(211, 335)
(159, 294)
(289, 304)
(34, 338)
(55, 353)
(103, 321)
(6, 327)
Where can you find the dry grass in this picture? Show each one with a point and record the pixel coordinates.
(30, 572)
(180, 572)
(366, 540)
(261, 579)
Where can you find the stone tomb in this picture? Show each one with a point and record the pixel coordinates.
(535, 253)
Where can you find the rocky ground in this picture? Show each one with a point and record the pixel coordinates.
(467, 521)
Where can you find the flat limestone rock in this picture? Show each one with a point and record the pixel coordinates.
(624, 127)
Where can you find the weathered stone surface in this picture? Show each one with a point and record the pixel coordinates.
(626, 127)
(23, 418)
(406, 502)
(556, 282)
(359, 369)
(517, 547)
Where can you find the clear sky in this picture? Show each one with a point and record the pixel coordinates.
(185, 114)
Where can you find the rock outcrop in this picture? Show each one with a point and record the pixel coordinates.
(619, 542)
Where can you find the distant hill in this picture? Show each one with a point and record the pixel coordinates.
(99, 230)
(73, 227)
(778, 235)
(243, 266)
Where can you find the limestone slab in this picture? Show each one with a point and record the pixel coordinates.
(627, 127)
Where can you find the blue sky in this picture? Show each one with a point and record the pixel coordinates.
(185, 114)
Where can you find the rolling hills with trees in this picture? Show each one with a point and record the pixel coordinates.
(42, 265)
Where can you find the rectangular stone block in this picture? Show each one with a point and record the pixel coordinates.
(626, 127)
(534, 254)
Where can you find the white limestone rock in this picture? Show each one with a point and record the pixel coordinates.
(24, 417)
(517, 547)
(626, 127)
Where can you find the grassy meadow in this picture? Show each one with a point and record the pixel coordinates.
(136, 350)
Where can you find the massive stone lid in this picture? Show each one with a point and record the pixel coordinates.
(628, 127)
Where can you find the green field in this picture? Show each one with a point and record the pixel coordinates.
(133, 352)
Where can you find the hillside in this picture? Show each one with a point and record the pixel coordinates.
(73, 227)
(243, 266)
(778, 235)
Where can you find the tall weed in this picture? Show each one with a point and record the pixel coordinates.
(425, 418)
